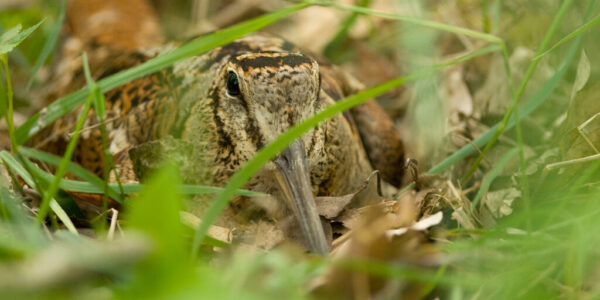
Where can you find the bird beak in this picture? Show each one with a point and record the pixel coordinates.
(292, 175)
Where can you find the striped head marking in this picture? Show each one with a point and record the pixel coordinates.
(257, 96)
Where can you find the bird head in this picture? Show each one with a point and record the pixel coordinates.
(256, 98)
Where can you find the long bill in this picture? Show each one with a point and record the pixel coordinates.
(293, 178)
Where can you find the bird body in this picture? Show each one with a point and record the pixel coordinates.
(218, 109)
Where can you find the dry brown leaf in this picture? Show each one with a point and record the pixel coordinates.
(331, 207)
(370, 241)
(457, 96)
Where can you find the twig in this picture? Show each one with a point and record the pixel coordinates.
(572, 161)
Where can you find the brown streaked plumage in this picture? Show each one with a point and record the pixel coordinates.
(223, 107)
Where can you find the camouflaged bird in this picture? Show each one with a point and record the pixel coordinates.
(221, 108)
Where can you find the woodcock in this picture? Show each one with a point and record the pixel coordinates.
(222, 107)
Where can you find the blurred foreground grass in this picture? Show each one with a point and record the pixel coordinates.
(515, 229)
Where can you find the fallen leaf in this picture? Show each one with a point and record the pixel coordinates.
(331, 207)
(583, 74)
(499, 202)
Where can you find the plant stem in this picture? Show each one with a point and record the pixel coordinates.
(62, 167)
(9, 99)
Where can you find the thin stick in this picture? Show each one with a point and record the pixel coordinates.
(572, 162)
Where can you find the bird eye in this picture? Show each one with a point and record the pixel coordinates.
(233, 85)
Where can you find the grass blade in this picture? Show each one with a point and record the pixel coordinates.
(95, 185)
(578, 31)
(489, 178)
(73, 168)
(7, 107)
(66, 159)
(10, 161)
(100, 109)
(417, 21)
(49, 44)
(63, 217)
(335, 46)
(515, 99)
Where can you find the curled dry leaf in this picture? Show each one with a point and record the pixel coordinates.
(368, 192)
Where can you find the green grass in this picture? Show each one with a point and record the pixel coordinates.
(544, 249)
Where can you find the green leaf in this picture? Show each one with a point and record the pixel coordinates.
(156, 213)
(159, 203)
(14, 36)
(63, 217)
(10, 34)
(17, 167)
(93, 88)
